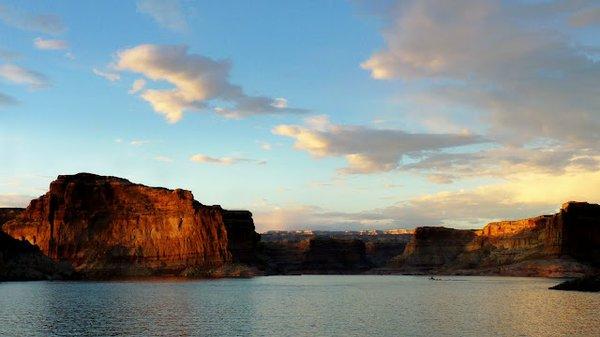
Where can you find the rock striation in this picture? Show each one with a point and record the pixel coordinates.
(563, 244)
(108, 227)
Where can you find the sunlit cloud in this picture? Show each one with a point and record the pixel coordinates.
(198, 82)
(110, 76)
(365, 149)
(19, 75)
(47, 44)
(527, 196)
(167, 13)
(204, 159)
(137, 85)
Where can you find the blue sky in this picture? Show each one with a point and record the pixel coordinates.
(335, 114)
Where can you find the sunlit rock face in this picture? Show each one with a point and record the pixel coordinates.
(563, 244)
(108, 226)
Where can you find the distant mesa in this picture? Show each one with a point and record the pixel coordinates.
(563, 244)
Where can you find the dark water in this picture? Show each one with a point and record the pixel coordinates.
(299, 306)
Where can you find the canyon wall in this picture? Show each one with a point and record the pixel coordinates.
(108, 226)
(328, 252)
(563, 244)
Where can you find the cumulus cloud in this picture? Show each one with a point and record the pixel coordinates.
(19, 75)
(197, 82)
(167, 13)
(48, 44)
(41, 23)
(109, 76)
(204, 159)
(507, 60)
(365, 149)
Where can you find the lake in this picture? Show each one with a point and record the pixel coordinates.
(299, 306)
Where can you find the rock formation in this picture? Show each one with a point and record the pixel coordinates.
(563, 244)
(108, 226)
(21, 261)
(7, 213)
(331, 253)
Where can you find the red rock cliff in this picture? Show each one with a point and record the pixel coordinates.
(108, 226)
(566, 243)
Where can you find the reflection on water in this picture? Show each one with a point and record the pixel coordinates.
(299, 306)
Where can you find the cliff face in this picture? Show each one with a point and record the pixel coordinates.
(433, 247)
(563, 244)
(108, 226)
(9, 213)
(21, 261)
(308, 254)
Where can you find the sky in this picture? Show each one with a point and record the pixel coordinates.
(311, 114)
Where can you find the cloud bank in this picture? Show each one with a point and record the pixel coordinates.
(365, 149)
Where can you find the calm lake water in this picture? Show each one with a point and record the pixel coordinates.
(299, 306)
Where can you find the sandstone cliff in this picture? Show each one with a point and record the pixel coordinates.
(9, 213)
(108, 226)
(563, 244)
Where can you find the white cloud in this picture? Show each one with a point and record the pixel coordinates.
(197, 81)
(50, 44)
(508, 60)
(20, 75)
(167, 13)
(137, 85)
(204, 159)
(365, 149)
(110, 76)
(42, 23)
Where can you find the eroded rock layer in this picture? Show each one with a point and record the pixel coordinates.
(563, 244)
(108, 226)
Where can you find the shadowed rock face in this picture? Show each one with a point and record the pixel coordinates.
(7, 213)
(108, 226)
(21, 261)
(563, 244)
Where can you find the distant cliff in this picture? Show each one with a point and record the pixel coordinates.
(108, 226)
(563, 244)
(328, 252)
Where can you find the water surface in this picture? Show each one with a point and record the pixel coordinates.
(299, 306)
